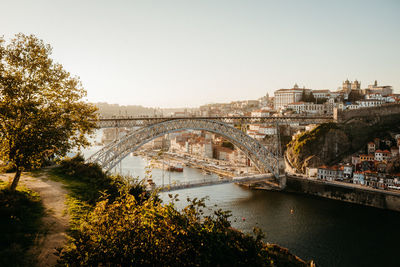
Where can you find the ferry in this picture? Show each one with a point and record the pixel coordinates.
(176, 168)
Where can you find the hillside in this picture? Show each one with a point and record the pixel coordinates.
(109, 110)
(330, 143)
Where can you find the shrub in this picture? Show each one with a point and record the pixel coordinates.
(123, 233)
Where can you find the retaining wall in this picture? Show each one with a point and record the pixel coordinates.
(364, 196)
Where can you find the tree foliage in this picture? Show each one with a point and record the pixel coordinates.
(354, 96)
(123, 233)
(42, 112)
(307, 97)
(228, 144)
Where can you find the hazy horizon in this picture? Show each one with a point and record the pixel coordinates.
(189, 53)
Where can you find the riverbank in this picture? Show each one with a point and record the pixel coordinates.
(377, 198)
(222, 169)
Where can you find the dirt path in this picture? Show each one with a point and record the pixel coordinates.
(56, 220)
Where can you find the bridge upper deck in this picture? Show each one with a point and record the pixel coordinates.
(115, 122)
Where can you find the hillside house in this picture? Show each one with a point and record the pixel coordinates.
(358, 178)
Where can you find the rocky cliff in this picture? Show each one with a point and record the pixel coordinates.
(329, 143)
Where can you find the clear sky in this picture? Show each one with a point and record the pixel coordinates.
(187, 53)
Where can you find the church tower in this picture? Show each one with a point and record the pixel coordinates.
(346, 87)
(356, 85)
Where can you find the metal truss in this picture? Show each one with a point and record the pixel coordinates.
(238, 120)
(109, 156)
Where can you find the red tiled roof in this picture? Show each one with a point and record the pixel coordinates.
(297, 103)
(321, 91)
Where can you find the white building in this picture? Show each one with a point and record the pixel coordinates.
(255, 134)
(258, 131)
(330, 173)
(267, 130)
(384, 90)
(283, 97)
(369, 103)
(358, 178)
(381, 155)
(321, 94)
(260, 113)
(305, 107)
(347, 171)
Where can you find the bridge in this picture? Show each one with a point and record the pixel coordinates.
(150, 128)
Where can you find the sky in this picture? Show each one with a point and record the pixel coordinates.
(186, 53)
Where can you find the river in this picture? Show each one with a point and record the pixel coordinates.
(330, 232)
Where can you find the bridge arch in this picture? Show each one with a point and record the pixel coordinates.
(110, 155)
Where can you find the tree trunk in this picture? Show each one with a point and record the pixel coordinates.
(15, 180)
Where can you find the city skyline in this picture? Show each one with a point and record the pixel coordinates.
(186, 54)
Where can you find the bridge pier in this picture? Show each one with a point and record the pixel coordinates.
(282, 181)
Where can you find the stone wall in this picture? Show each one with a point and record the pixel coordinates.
(347, 193)
(385, 110)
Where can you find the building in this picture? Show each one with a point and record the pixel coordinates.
(330, 173)
(203, 148)
(384, 90)
(355, 160)
(369, 157)
(306, 107)
(267, 130)
(394, 151)
(260, 113)
(255, 134)
(321, 94)
(381, 155)
(348, 86)
(347, 171)
(371, 148)
(370, 103)
(283, 97)
(223, 153)
(259, 131)
(311, 172)
(358, 178)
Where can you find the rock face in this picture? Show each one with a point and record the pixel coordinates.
(320, 146)
(329, 143)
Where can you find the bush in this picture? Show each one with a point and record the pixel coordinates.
(123, 233)
(87, 181)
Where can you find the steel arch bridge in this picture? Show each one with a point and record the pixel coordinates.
(110, 155)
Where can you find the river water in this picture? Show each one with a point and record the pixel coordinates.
(330, 232)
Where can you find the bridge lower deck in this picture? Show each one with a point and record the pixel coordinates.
(253, 178)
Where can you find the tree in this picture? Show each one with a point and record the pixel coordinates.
(354, 95)
(42, 112)
(307, 97)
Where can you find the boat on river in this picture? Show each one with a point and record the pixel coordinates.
(175, 168)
